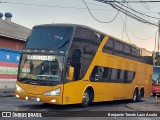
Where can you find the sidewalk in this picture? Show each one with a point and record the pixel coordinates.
(144, 106)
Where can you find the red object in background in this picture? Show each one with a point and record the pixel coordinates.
(156, 80)
(155, 89)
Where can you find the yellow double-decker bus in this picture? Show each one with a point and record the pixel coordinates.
(74, 64)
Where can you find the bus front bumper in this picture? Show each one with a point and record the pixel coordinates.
(39, 98)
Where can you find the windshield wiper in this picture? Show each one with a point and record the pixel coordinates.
(25, 79)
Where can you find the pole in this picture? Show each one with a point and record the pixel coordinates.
(158, 34)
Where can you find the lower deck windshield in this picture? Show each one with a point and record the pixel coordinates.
(41, 68)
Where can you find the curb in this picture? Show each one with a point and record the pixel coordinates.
(144, 106)
(7, 92)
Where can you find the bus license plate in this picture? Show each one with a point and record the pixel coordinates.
(33, 98)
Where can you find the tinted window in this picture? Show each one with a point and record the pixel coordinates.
(114, 75)
(100, 74)
(105, 74)
(86, 42)
(118, 48)
(128, 51)
(135, 53)
(108, 48)
(156, 73)
(52, 37)
(130, 76)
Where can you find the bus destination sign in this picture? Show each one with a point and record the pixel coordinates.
(41, 57)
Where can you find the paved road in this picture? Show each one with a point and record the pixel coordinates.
(14, 104)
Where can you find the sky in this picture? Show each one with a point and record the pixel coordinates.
(74, 11)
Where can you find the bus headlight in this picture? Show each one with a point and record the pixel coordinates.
(55, 92)
(19, 89)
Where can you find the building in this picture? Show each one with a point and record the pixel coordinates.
(12, 39)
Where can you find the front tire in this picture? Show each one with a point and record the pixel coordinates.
(86, 99)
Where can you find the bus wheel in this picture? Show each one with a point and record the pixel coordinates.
(135, 96)
(86, 99)
(141, 95)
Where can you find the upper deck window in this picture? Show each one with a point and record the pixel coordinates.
(49, 37)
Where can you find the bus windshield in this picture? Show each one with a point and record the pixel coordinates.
(156, 74)
(46, 68)
(49, 37)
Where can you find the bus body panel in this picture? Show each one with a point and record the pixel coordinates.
(73, 91)
(36, 91)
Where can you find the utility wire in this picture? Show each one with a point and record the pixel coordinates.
(118, 8)
(125, 24)
(138, 18)
(96, 18)
(117, 5)
(147, 1)
(139, 37)
(145, 5)
(136, 35)
(124, 28)
(137, 11)
(40, 5)
(115, 10)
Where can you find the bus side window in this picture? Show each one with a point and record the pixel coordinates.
(127, 51)
(108, 48)
(76, 63)
(130, 76)
(107, 74)
(119, 49)
(135, 53)
(114, 75)
(94, 74)
(125, 76)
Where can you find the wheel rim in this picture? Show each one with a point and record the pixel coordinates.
(85, 98)
(140, 96)
(135, 96)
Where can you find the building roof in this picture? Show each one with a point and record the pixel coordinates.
(13, 30)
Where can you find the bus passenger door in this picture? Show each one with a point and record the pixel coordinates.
(97, 84)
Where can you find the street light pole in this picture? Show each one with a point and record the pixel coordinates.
(158, 34)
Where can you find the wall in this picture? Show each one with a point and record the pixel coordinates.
(11, 43)
(9, 60)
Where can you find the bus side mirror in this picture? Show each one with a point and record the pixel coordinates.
(70, 73)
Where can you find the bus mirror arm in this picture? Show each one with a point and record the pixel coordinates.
(70, 73)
